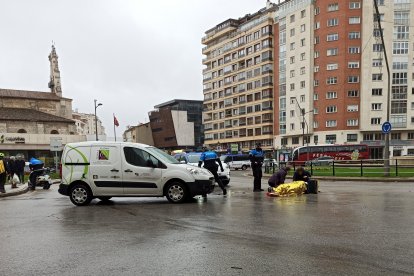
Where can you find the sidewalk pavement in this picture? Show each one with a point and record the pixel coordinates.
(352, 179)
(21, 189)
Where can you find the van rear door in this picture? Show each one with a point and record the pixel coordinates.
(106, 170)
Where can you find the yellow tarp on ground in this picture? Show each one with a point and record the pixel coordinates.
(293, 188)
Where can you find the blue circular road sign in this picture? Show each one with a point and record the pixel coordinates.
(386, 127)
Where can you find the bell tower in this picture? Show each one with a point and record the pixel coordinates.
(54, 83)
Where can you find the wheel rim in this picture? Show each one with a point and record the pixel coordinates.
(79, 195)
(176, 192)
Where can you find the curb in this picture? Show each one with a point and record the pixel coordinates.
(352, 179)
(21, 190)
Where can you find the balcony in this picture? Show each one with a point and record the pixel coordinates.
(207, 119)
(206, 69)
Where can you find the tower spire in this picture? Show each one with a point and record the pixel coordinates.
(54, 83)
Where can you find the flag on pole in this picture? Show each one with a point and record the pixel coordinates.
(116, 121)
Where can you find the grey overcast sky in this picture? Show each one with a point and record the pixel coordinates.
(128, 54)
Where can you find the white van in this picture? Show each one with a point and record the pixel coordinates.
(107, 169)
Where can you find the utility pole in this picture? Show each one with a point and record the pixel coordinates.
(387, 135)
(302, 111)
(96, 119)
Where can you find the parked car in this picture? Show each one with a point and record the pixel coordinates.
(193, 158)
(236, 161)
(270, 162)
(320, 161)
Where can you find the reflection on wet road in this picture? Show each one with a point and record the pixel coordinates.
(349, 228)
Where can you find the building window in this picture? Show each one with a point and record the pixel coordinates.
(353, 79)
(400, 65)
(315, 124)
(353, 50)
(316, 54)
(410, 136)
(317, 10)
(332, 22)
(292, 46)
(377, 77)
(332, 37)
(401, 32)
(377, 62)
(292, 126)
(352, 108)
(331, 95)
(292, 60)
(292, 73)
(376, 106)
(302, 13)
(399, 78)
(375, 17)
(377, 47)
(302, 42)
(292, 87)
(352, 122)
(21, 131)
(400, 48)
(375, 121)
(302, 70)
(395, 136)
(302, 98)
(330, 138)
(376, 92)
(54, 132)
(292, 32)
(332, 80)
(292, 18)
(332, 52)
(352, 137)
(331, 109)
(295, 140)
(317, 25)
(284, 141)
(302, 84)
(354, 5)
(332, 66)
(355, 20)
(333, 7)
(353, 64)
(354, 35)
(302, 28)
(331, 123)
(315, 96)
(302, 56)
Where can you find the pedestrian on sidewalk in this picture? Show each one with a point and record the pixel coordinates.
(20, 164)
(2, 173)
(12, 170)
(256, 159)
(210, 160)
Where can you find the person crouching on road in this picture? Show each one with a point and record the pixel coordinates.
(301, 175)
(3, 174)
(256, 159)
(210, 160)
(278, 178)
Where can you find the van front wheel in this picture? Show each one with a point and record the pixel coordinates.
(176, 192)
(80, 195)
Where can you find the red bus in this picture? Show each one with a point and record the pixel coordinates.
(337, 152)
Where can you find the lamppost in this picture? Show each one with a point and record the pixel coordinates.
(302, 112)
(96, 119)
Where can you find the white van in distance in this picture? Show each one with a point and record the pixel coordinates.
(117, 169)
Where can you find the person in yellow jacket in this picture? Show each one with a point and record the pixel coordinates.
(2, 174)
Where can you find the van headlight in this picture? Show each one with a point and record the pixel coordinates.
(196, 171)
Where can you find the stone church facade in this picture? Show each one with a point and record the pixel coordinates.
(30, 119)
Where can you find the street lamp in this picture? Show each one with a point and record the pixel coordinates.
(303, 113)
(96, 119)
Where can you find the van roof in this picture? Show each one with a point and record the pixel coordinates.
(107, 143)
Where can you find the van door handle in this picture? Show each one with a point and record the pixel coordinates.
(114, 170)
(128, 170)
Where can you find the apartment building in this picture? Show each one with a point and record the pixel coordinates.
(238, 82)
(330, 80)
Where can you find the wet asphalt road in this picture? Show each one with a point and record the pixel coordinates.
(349, 228)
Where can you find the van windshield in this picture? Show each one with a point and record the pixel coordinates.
(164, 157)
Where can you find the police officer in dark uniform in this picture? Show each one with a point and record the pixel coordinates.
(209, 158)
(256, 158)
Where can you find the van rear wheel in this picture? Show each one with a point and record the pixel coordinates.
(177, 192)
(244, 167)
(80, 195)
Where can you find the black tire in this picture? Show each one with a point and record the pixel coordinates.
(80, 195)
(244, 167)
(177, 192)
(104, 198)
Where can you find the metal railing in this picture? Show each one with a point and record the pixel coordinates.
(349, 168)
